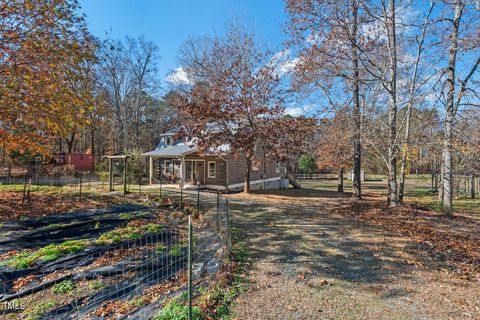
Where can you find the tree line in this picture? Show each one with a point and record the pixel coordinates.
(394, 83)
(400, 75)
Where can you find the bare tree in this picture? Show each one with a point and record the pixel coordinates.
(234, 89)
(327, 36)
(127, 74)
(456, 89)
(412, 95)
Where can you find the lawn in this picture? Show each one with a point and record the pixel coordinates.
(418, 191)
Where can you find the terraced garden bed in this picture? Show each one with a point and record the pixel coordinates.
(97, 263)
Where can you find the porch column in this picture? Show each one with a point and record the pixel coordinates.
(110, 175)
(183, 171)
(150, 172)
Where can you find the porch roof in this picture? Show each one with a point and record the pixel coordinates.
(172, 151)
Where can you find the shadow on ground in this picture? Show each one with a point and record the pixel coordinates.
(309, 263)
(292, 234)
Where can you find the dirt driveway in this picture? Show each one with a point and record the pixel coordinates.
(308, 263)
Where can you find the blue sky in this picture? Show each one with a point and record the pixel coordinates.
(169, 23)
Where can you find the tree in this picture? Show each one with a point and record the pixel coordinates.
(43, 45)
(390, 21)
(327, 34)
(288, 137)
(467, 148)
(235, 90)
(127, 76)
(306, 163)
(334, 143)
(462, 41)
(412, 94)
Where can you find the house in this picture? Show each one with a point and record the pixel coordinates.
(180, 161)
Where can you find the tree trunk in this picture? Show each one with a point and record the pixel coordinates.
(70, 142)
(472, 186)
(403, 166)
(121, 131)
(246, 187)
(340, 180)
(433, 183)
(440, 190)
(392, 110)
(357, 144)
(92, 138)
(447, 200)
(410, 106)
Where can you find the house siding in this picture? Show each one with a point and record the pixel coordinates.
(220, 165)
(237, 167)
(229, 170)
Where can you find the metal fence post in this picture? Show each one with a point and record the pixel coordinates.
(218, 209)
(140, 184)
(125, 167)
(229, 240)
(190, 236)
(161, 180)
(198, 198)
(181, 197)
(80, 189)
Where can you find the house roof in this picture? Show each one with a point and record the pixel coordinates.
(172, 151)
(172, 132)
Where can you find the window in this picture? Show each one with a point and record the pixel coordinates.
(166, 167)
(278, 166)
(168, 141)
(212, 169)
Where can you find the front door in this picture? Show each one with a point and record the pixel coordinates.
(194, 172)
(190, 171)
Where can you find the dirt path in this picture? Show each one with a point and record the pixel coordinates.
(308, 263)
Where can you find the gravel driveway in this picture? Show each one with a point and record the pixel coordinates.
(308, 263)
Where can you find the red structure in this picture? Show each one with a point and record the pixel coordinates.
(81, 161)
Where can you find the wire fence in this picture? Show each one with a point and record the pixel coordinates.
(124, 279)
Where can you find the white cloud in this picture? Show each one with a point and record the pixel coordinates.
(178, 76)
(309, 107)
(294, 112)
(288, 66)
(299, 111)
(374, 31)
(283, 63)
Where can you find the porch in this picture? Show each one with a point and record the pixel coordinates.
(177, 171)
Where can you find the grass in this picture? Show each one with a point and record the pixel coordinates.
(176, 309)
(137, 302)
(18, 187)
(52, 252)
(218, 300)
(56, 225)
(176, 249)
(35, 313)
(130, 232)
(96, 284)
(160, 247)
(418, 190)
(49, 253)
(63, 287)
(126, 215)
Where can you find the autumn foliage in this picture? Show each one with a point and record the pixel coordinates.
(43, 45)
(235, 93)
